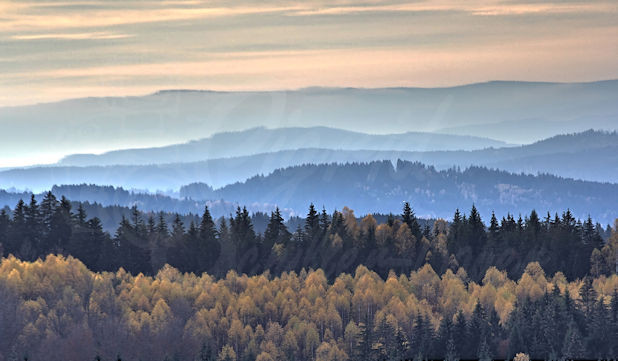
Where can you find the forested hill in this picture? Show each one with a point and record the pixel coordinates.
(369, 187)
(382, 187)
(110, 204)
(590, 155)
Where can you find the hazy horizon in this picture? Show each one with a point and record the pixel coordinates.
(506, 111)
(304, 88)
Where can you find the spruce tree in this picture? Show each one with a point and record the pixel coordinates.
(151, 226)
(162, 229)
(62, 228)
(33, 229)
(494, 229)
(48, 208)
(276, 231)
(81, 214)
(460, 335)
(5, 222)
(209, 246)
(241, 230)
(588, 295)
(132, 248)
(476, 230)
(410, 219)
(17, 230)
(324, 221)
(455, 234)
(599, 327)
(477, 329)
(422, 337)
(312, 224)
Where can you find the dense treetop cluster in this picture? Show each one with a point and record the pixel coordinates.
(336, 242)
(56, 309)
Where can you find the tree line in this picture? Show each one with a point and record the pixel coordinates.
(336, 242)
(57, 309)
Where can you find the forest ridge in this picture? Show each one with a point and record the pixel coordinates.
(336, 242)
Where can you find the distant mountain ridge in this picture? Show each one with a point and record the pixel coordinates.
(513, 112)
(378, 186)
(261, 140)
(591, 155)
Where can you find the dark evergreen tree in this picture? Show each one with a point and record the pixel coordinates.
(178, 229)
(599, 327)
(324, 221)
(591, 237)
(133, 247)
(460, 335)
(162, 229)
(588, 295)
(61, 228)
(81, 215)
(5, 223)
(33, 233)
(276, 231)
(421, 338)
(241, 230)
(209, 247)
(455, 234)
(475, 230)
(151, 226)
(48, 208)
(17, 230)
(477, 331)
(410, 219)
(312, 224)
(494, 230)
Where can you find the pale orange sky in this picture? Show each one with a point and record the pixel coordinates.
(51, 50)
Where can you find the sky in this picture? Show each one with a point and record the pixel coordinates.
(52, 50)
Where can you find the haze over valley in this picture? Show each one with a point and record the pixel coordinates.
(511, 112)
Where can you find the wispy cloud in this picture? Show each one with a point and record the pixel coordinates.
(29, 16)
(72, 36)
(24, 21)
(94, 47)
(472, 7)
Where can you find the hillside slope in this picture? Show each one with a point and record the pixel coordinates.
(382, 187)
